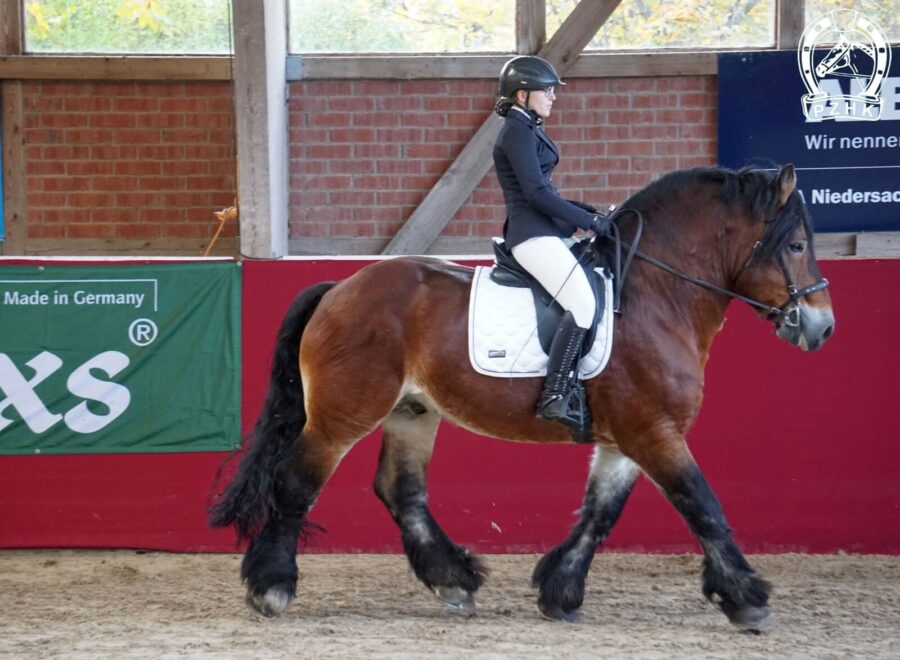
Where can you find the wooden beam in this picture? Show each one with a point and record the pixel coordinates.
(346, 246)
(347, 67)
(12, 123)
(789, 23)
(531, 26)
(835, 245)
(261, 116)
(15, 216)
(398, 67)
(636, 65)
(829, 246)
(469, 168)
(11, 35)
(115, 67)
(449, 193)
(442, 67)
(576, 32)
(115, 247)
(874, 245)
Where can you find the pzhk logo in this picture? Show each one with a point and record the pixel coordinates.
(20, 392)
(860, 53)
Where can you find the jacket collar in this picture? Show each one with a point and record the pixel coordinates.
(526, 118)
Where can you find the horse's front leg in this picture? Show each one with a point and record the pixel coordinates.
(728, 580)
(561, 573)
(448, 570)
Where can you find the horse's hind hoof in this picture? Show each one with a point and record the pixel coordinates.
(457, 599)
(752, 619)
(556, 613)
(270, 604)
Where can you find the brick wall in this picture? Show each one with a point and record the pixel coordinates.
(365, 153)
(130, 160)
(147, 163)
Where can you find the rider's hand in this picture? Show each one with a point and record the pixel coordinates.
(601, 225)
(582, 234)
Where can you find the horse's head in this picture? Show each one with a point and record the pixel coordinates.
(781, 268)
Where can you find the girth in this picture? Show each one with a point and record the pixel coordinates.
(508, 272)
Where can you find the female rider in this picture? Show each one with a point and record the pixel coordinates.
(539, 226)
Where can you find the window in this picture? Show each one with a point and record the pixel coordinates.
(401, 26)
(882, 12)
(646, 24)
(128, 26)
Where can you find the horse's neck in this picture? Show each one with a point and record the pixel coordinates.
(698, 254)
(673, 303)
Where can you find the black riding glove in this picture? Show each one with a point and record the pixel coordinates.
(601, 224)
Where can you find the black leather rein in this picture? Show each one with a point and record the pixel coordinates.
(789, 311)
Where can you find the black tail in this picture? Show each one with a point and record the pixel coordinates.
(249, 500)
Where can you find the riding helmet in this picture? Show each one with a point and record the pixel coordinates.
(528, 72)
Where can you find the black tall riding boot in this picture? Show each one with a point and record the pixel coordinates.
(563, 399)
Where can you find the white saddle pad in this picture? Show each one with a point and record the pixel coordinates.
(503, 338)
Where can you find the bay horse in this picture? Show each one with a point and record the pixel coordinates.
(388, 346)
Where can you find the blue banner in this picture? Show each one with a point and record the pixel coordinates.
(833, 111)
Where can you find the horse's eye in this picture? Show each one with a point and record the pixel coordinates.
(797, 248)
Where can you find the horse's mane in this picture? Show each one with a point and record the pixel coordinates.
(749, 190)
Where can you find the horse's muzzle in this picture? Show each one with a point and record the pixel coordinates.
(815, 327)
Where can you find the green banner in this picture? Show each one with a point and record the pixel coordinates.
(119, 358)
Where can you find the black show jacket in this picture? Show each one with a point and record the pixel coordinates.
(524, 157)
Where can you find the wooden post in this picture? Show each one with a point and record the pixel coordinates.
(261, 116)
(13, 124)
(531, 26)
(469, 168)
(789, 23)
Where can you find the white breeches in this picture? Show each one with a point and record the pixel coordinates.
(551, 263)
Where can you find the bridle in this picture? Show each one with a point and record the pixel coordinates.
(789, 312)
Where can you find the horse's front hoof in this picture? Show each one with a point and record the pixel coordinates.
(752, 619)
(270, 604)
(457, 599)
(556, 613)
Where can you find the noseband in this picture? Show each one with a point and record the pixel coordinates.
(789, 312)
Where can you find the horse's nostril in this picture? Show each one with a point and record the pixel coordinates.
(828, 332)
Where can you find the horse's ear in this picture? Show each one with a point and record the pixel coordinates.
(785, 183)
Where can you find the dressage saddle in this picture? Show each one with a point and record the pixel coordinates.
(508, 272)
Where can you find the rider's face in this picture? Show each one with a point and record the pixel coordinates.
(539, 100)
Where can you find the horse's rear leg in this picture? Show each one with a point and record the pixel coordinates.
(561, 573)
(269, 568)
(447, 569)
(728, 580)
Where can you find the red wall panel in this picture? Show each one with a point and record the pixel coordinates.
(801, 448)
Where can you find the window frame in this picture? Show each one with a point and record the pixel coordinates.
(530, 36)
